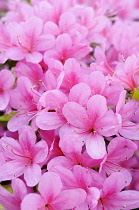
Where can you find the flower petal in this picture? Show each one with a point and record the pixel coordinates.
(32, 174)
(96, 107)
(95, 146)
(32, 202)
(50, 186)
(69, 199)
(76, 115)
(49, 120)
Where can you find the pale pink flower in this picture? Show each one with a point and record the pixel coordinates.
(28, 40)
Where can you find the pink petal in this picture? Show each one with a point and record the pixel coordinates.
(95, 146)
(33, 27)
(67, 177)
(128, 199)
(63, 43)
(96, 107)
(121, 149)
(49, 120)
(27, 138)
(93, 196)
(4, 100)
(53, 99)
(11, 147)
(32, 71)
(69, 199)
(83, 206)
(76, 115)
(15, 53)
(66, 20)
(80, 51)
(72, 67)
(19, 189)
(61, 160)
(111, 168)
(32, 202)
(8, 200)
(80, 93)
(32, 174)
(11, 170)
(129, 109)
(40, 151)
(130, 131)
(97, 82)
(6, 79)
(34, 57)
(50, 186)
(17, 122)
(113, 184)
(71, 145)
(82, 176)
(51, 28)
(44, 42)
(121, 102)
(107, 125)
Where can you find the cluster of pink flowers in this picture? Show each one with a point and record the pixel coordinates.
(69, 93)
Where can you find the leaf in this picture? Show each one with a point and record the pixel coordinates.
(7, 117)
(8, 187)
(1, 207)
(93, 44)
(135, 94)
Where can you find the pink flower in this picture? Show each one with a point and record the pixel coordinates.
(27, 105)
(81, 177)
(65, 48)
(52, 195)
(28, 40)
(119, 149)
(94, 123)
(23, 157)
(13, 201)
(111, 197)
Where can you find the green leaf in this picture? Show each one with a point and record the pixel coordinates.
(8, 188)
(7, 117)
(135, 94)
(93, 44)
(1, 207)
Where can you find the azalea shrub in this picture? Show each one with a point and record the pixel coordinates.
(69, 104)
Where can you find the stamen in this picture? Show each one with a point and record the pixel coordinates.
(131, 169)
(20, 155)
(131, 125)
(35, 92)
